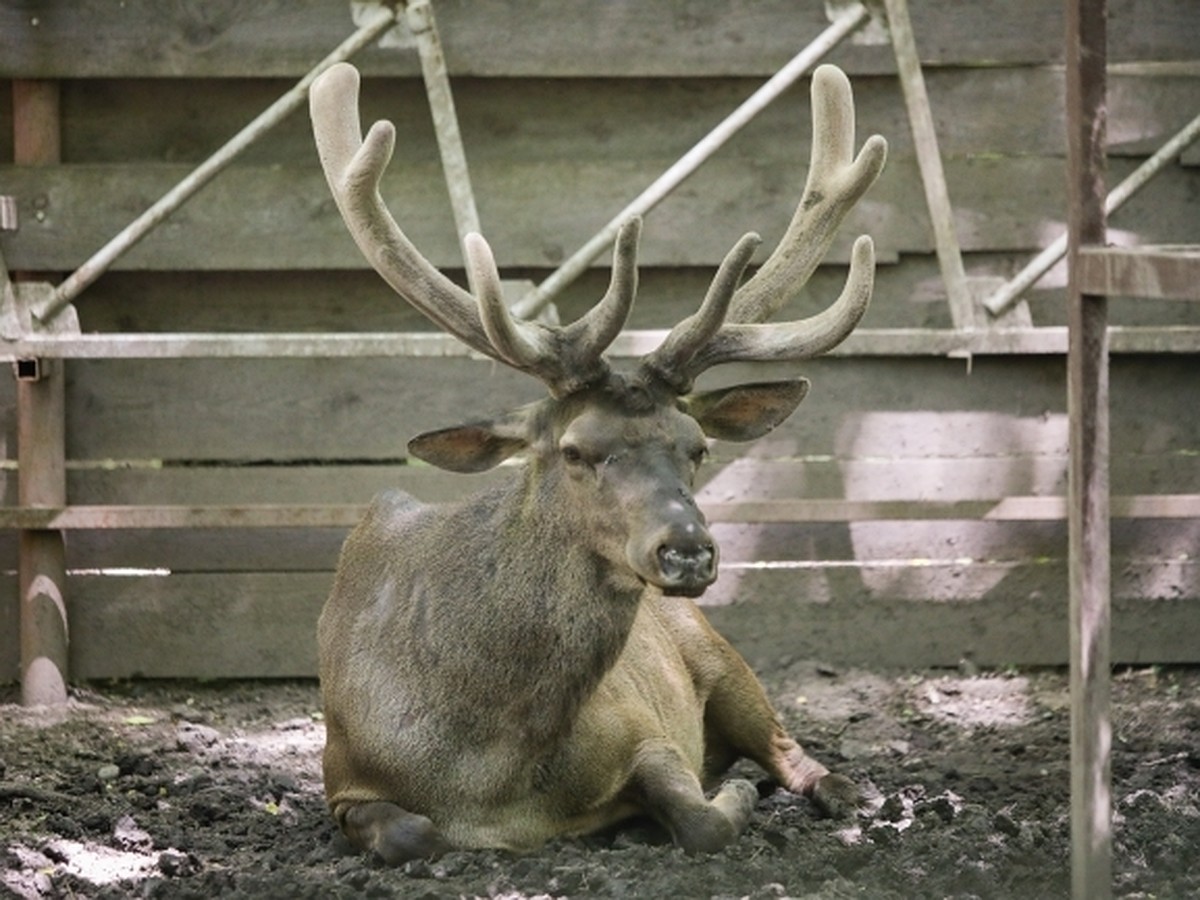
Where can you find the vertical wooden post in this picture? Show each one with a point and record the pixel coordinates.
(1088, 511)
(41, 450)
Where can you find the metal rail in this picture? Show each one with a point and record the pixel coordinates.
(576, 264)
(378, 21)
(1008, 295)
(929, 161)
(1045, 340)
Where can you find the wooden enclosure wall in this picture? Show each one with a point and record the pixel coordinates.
(568, 110)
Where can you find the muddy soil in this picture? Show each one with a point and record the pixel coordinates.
(202, 790)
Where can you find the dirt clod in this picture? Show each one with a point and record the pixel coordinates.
(181, 790)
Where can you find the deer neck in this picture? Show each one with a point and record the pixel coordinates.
(570, 609)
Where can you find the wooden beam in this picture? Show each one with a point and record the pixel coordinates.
(1049, 340)
(1170, 272)
(41, 447)
(541, 38)
(1088, 486)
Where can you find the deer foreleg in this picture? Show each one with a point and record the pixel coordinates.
(740, 720)
(670, 791)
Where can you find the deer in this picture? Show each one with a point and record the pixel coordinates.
(530, 664)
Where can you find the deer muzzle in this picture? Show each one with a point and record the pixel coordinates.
(687, 570)
(679, 557)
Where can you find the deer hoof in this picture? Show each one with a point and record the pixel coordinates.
(836, 796)
(393, 834)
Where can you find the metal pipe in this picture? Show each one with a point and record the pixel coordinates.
(423, 25)
(929, 160)
(533, 302)
(628, 345)
(1007, 296)
(99, 263)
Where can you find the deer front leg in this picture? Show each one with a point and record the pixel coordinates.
(740, 720)
(667, 788)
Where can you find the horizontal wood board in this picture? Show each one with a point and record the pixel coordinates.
(339, 410)
(228, 38)
(282, 217)
(263, 624)
(183, 120)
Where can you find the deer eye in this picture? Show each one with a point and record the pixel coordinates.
(572, 455)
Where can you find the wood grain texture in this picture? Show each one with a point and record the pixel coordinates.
(271, 217)
(263, 624)
(228, 38)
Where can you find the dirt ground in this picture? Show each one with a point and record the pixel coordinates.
(152, 789)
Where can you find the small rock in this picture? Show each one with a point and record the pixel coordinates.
(129, 836)
(853, 748)
(450, 865)
(1005, 824)
(174, 864)
(943, 806)
(892, 809)
(109, 772)
(418, 868)
(194, 738)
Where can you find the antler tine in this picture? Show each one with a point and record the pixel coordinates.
(671, 361)
(569, 358)
(836, 181)
(803, 339)
(353, 167)
(566, 359)
(599, 327)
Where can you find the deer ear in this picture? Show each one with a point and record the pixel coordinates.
(745, 412)
(474, 447)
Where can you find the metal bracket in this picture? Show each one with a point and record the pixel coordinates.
(23, 304)
(398, 37)
(874, 32)
(21, 309)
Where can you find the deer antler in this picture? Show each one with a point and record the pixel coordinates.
(837, 179)
(565, 358)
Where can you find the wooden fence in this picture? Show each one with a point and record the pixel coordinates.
(911, 513)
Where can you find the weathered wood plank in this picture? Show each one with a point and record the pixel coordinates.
(291, 410)
(263, 625)
(906, 295)
(236, 222)
(734, 474)
(997, 631)
(1171, 272)
(808, 545)
(531, 119)
(865, 342)
(146, 38)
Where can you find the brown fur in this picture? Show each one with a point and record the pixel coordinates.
(497, 674)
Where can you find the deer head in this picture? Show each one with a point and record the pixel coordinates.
(608, 442)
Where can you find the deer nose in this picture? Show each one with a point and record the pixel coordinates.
(687, 569)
